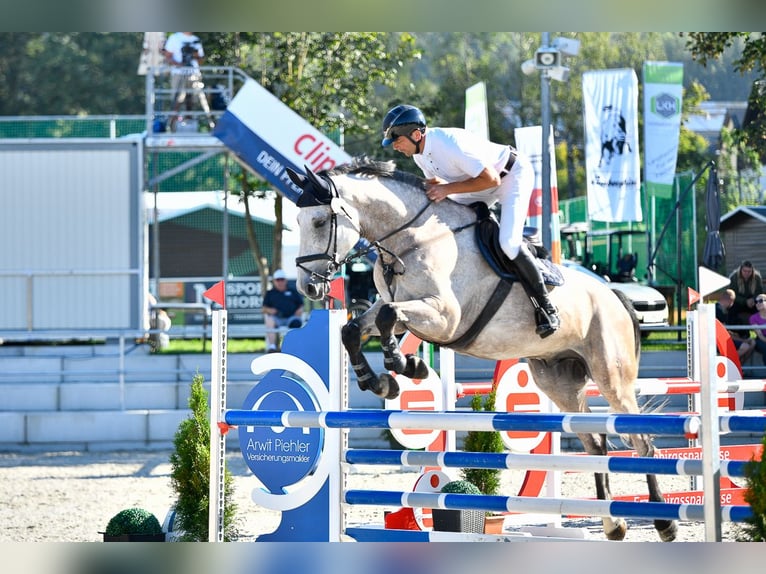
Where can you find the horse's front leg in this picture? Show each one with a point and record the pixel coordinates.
(351, 335)
(410, 366)
(384, 386)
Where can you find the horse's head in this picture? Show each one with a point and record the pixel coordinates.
(329, 229)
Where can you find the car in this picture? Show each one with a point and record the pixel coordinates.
(650, 305)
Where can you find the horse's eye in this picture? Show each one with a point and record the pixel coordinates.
(319, 223)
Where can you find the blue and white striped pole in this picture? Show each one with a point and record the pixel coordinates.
(670, 425)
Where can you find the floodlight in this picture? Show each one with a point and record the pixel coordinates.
(528, 67)
(547, 58)
(567, 46)
(559, 73)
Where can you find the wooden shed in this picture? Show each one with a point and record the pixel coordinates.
(743, 232)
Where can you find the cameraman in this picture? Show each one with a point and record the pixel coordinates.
(184, 54)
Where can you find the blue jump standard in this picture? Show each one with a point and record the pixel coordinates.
(670, 425)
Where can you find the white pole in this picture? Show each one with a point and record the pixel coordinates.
(711, 440)
(336, 442)
(447, 375)
(217, 438)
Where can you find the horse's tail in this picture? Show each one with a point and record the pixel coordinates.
(633, 317)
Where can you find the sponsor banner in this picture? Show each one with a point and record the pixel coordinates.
(269, 136)
(663, 93)
(529, 141)
(476, 110)
(612, 163)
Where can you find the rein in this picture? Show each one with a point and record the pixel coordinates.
(331, 254)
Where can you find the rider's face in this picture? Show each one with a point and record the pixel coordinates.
(405, 145)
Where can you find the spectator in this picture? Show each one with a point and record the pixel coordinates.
(626, 267)
(742, 340)
(184, 54)
(746, 282)
(759, 318)
(282, 307)
(158, 320)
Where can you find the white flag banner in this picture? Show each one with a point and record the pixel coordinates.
(476, 120)
(612, 163)
(663, 85)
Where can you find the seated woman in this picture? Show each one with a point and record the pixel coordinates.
(744, 344)
(759, 319)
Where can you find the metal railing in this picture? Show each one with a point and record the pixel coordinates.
(216, 82)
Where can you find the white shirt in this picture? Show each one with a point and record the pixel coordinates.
(176, 41)
(455, 154)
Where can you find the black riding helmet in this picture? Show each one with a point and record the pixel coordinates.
(400, 121)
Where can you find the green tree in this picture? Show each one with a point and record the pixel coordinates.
(70, 73)
(754, 529)
(328, 78)
(710, 47)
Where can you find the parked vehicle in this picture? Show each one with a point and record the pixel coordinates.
(650, 305)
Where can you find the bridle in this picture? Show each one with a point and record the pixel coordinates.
(330, 254)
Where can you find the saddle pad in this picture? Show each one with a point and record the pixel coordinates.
(487, 233)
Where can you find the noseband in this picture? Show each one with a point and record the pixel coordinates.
(330, 253)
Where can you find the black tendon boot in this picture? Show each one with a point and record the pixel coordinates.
(546, 315)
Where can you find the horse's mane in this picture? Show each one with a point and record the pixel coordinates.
(376, 168)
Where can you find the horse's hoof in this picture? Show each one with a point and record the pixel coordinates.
(416, 368)
(397, 364)
(666, 529)
(388, 388)
(618, 532)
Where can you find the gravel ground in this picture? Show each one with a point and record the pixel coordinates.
(70, 496)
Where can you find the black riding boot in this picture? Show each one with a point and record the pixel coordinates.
(546, 314)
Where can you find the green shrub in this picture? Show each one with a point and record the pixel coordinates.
(133, 521)
(460, 487)
(487, 479)
(754, 530)
(190, 473)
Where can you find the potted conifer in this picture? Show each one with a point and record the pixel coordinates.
(134, 525)
(453, 520)
(486, 479)
(190, 474)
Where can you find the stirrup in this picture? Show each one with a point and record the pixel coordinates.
(546, 324)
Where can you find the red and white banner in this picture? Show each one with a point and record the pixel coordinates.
(529, 141)
(270, 136)
(612, 162)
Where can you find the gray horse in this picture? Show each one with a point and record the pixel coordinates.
(434, 283)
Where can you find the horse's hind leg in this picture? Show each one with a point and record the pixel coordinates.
(595, 444)
(410, 366)
(622, 399)
(666, 529)
(563, 382)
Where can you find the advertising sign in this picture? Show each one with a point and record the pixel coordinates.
(269, 136)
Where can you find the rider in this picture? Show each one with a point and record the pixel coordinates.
(467, 168)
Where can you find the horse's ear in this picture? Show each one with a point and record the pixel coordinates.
(295, 177)
(320, 188)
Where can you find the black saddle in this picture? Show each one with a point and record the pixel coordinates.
(487, 237)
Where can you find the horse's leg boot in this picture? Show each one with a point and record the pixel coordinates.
(546, 314)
